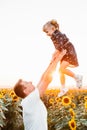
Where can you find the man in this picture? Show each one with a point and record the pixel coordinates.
(34, 110)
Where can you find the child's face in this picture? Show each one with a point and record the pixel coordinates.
(49, 30)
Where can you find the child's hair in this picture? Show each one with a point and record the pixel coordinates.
(18, 89)
(51, 23)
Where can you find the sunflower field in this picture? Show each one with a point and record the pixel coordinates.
(10, 111)
(68, 112)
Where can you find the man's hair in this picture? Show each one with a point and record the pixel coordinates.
(18, 89)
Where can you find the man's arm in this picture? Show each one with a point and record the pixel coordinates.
(46, 78)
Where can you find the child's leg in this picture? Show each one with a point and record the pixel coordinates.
(62, 80)
(64, 71)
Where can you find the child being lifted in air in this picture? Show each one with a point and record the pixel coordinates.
(60, 41)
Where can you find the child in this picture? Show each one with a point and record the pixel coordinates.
(60, 41)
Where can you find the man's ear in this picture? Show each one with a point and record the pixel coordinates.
(24, 91)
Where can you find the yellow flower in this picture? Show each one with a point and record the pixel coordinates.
(72, 124)
(12, 93)
(73, 105)
(85, 98)
(66, 100)
(3, 91)
(51, 100)
(72, 113)
(1, 95)
(85, 105)
(57, 99)
(15, 98)
(79, 97)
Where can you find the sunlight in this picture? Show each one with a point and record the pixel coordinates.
(55, 82)
(69, 82)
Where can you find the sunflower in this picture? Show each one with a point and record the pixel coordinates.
(85, 98)
(66, 100)
(72, 124)
(15, 98)
(85, 105)
(51, 100)
(3, 91)
(1, 95)
(12, 93)
(73, 105)
(57, 99)
(72, 113)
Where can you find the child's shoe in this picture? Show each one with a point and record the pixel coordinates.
(78, 79)
(63, 92)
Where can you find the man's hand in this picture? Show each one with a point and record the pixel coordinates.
(58, 54)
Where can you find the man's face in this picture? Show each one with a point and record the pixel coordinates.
(28, 87)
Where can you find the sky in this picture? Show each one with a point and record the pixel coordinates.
(25, 50)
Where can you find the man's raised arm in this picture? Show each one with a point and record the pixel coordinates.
(46, 77)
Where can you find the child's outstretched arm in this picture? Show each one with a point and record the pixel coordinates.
(46, 77)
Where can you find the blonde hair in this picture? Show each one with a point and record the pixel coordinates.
(52, 22)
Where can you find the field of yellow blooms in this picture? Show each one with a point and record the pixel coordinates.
(10, 111)
(68, 112)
